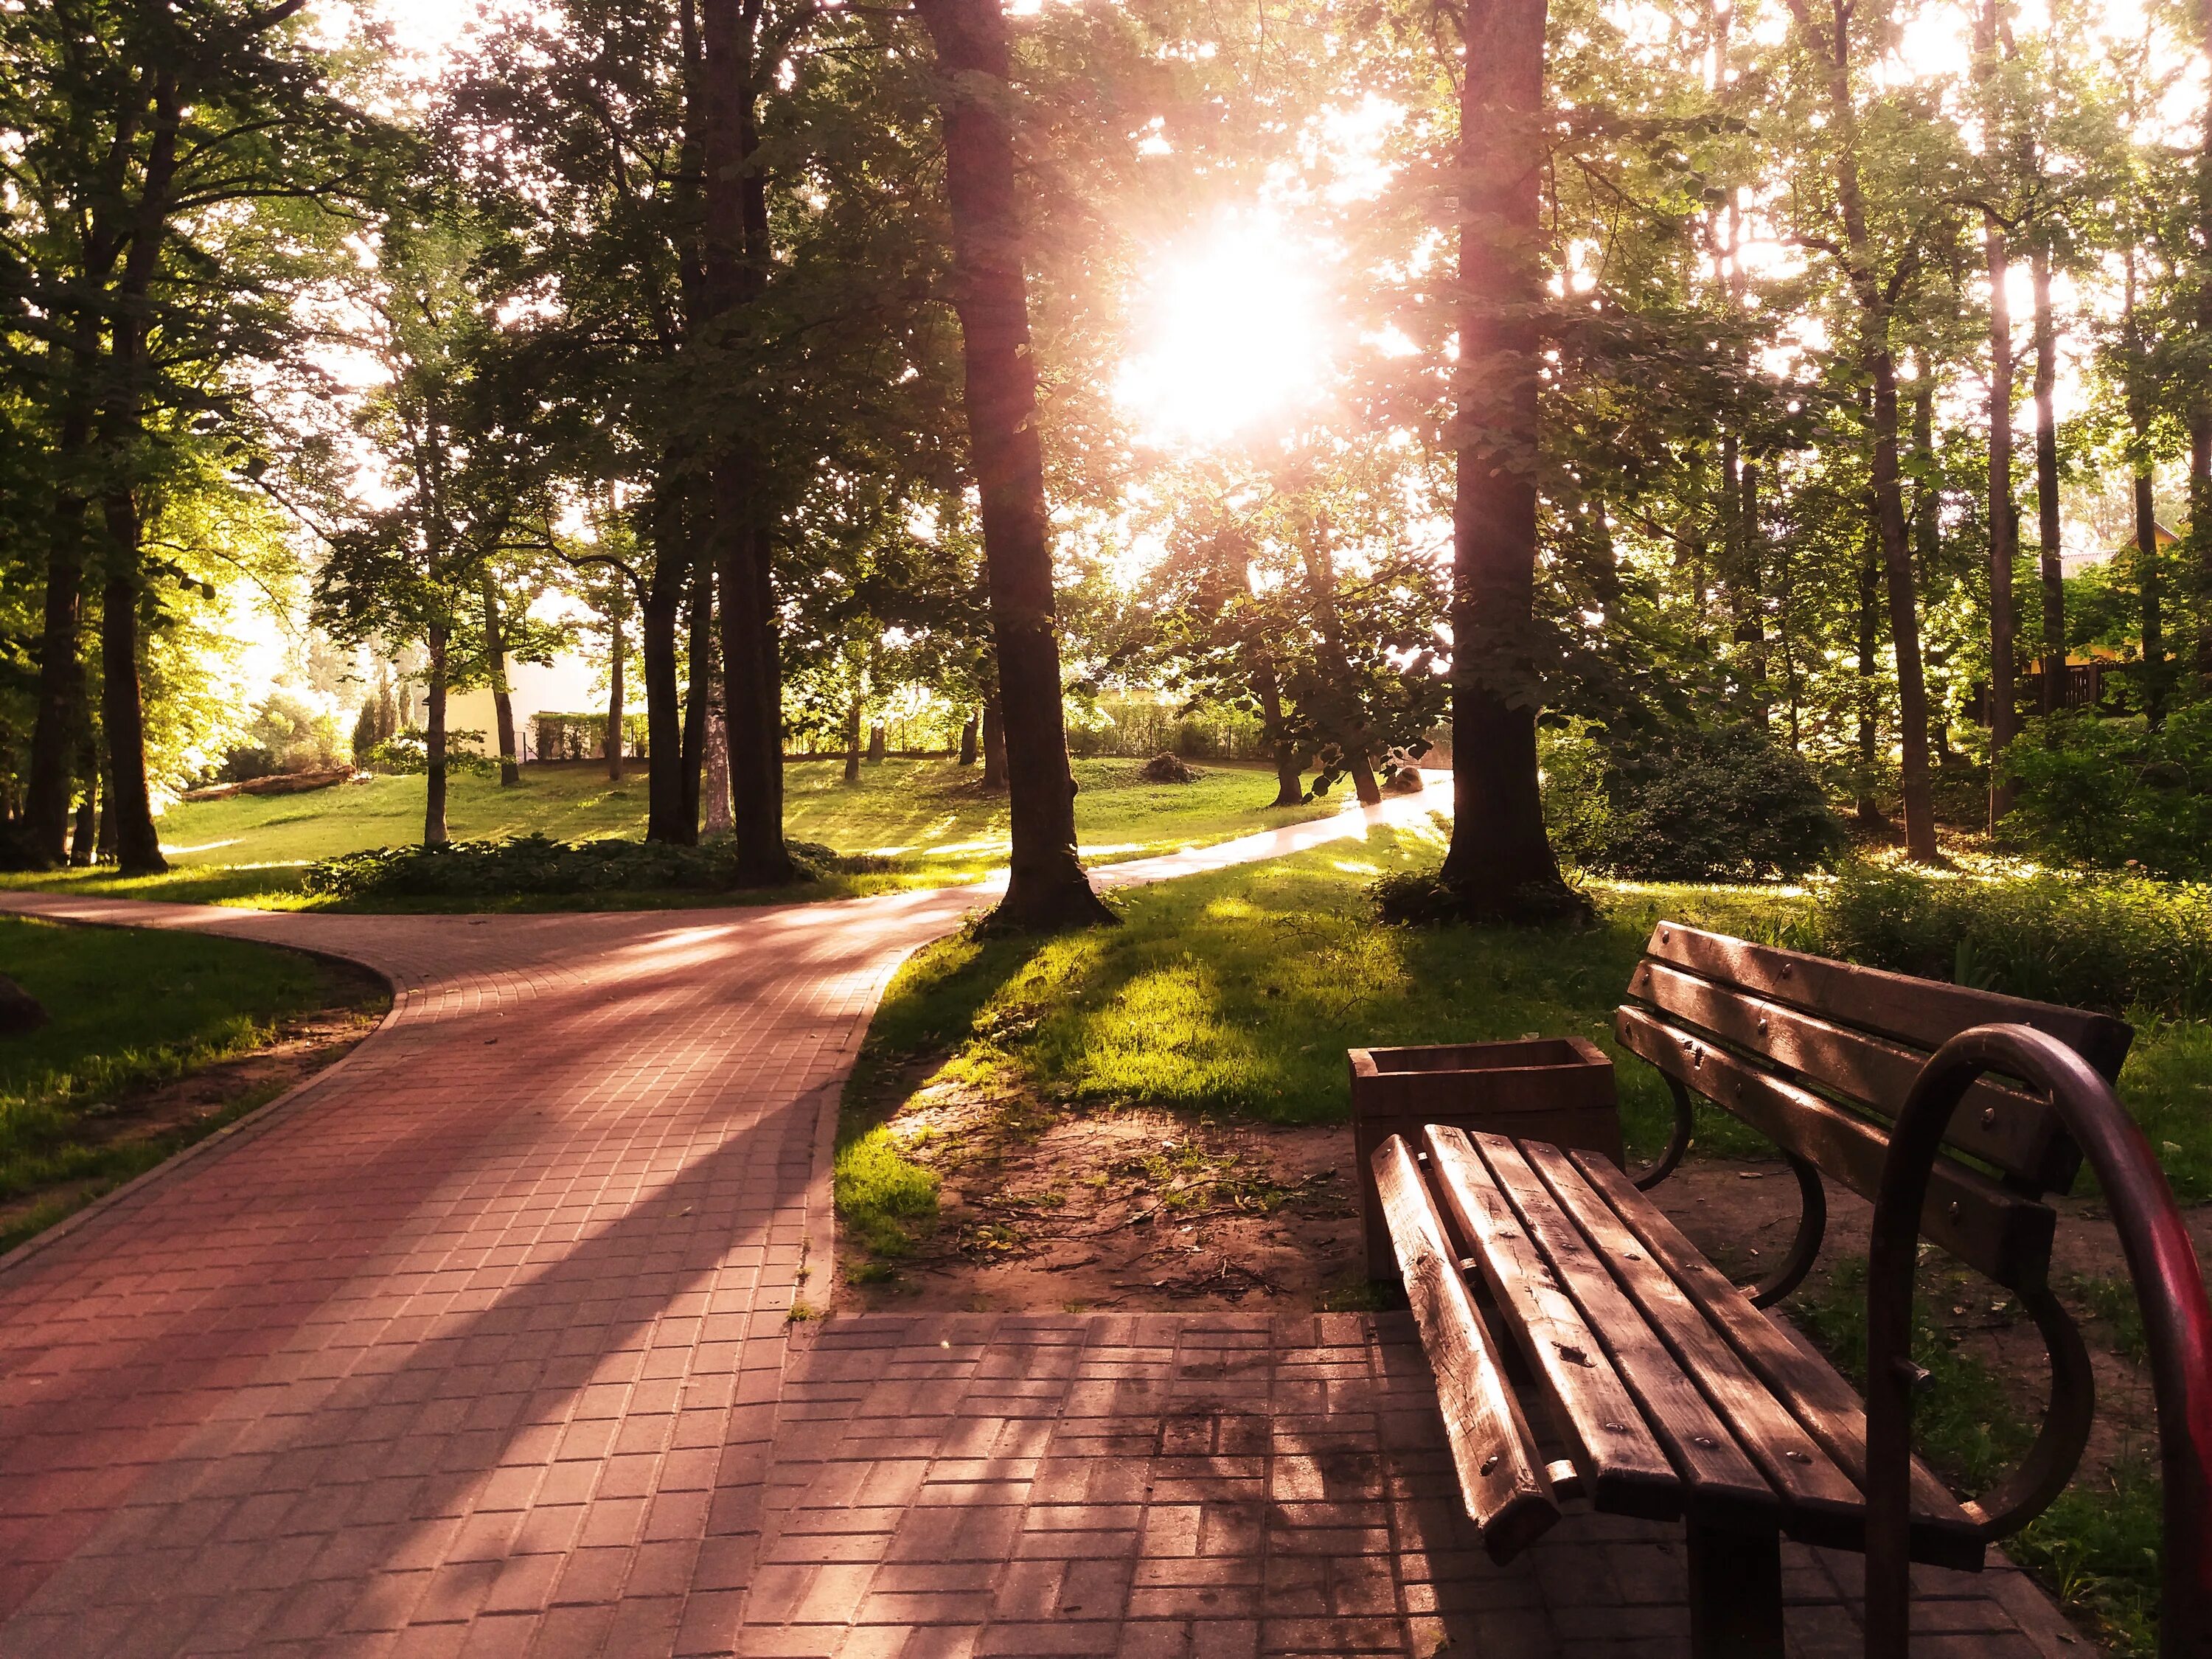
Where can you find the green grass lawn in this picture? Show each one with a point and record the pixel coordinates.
(107, 1037)
(926, 816)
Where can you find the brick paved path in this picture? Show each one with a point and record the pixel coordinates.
(478, 1344)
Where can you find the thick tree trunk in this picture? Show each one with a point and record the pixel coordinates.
(878, 742)
(853, 740)
(968, 741)
(664, 707)
(2053, 567)
(434, 741)
(2004, 528)
(59, 719)
(122, 718)
(1047, 887)
(103, 846)
(995, 748)
(502, 699)
(698, 697)
(737, 257)
(1500, 861)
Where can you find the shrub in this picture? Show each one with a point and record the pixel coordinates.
(1577, 811)
(2109, 792)
(2113, 943)
(286, 735)
(537, 864)
(1723, 803)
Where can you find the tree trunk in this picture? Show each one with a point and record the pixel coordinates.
(123, 718)
(1348, 720)
(87, 827)
(617, 649)
(2004, 528)
(2047, 483)
(664, 709)
(716, 789)
(60, 716)
(2151, 590)
(995, 748)
(103, 846)
(1868, 808)
(968, 741)
(1877, 360)
(1500, 861)
(1047, 887)
(737, 257)
(434, 741)
(878, 742)
(1290, 787)
(698, 698)
(502, 700)
(853, 740)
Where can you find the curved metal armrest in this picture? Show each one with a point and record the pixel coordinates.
(2169, 1285)
(1677, 1140)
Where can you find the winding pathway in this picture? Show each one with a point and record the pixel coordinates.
(480, 1343)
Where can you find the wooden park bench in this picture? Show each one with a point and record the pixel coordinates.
(1675, 1396)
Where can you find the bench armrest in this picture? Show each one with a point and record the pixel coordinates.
(2169, 1285)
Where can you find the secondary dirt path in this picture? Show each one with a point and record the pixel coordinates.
(481, 1343)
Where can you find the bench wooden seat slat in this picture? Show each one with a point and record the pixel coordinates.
(1718, 1480)
(1816, 1394)
(1997, 1233)
(1820, 1504)
(1508, 1492)
(2018, 1134)
(1924, 1013)
(1625, 1470)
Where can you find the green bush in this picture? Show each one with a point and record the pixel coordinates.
(539, 864)
(2112, 792)
(1570, 760)
(2113, 943)
(1724, 803)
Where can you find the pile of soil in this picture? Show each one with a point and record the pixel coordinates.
(1168, 768)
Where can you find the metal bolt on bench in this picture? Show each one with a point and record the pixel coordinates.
(1676, 1397)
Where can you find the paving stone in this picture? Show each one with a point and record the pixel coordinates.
(477, 1345)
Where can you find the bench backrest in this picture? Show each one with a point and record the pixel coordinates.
(1819, 1055)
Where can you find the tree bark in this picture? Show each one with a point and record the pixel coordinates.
(995, 748)
(2004, 528)
(1047, 887)
(697, 700)
(1869, 617)
(617, 649)
(1500, 862)
(123, 718)
(968, 741)
(86, 829)
(736, 262)
(852, 739)
(2053, 569)
(2149, 590)
(716, 789)
(1347, 719)
(665, 759)
(502, 699)
(60, 714)
(1873, 296)
(434, 739)
(1290, 784)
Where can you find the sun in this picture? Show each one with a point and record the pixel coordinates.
(1230, 337)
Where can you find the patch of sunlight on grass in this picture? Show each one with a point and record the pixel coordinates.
(1351, 868)
(880, 1194)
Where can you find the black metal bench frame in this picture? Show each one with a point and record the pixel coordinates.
(1861, 1076)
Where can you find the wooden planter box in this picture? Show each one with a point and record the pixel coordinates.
(1554, 1089)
